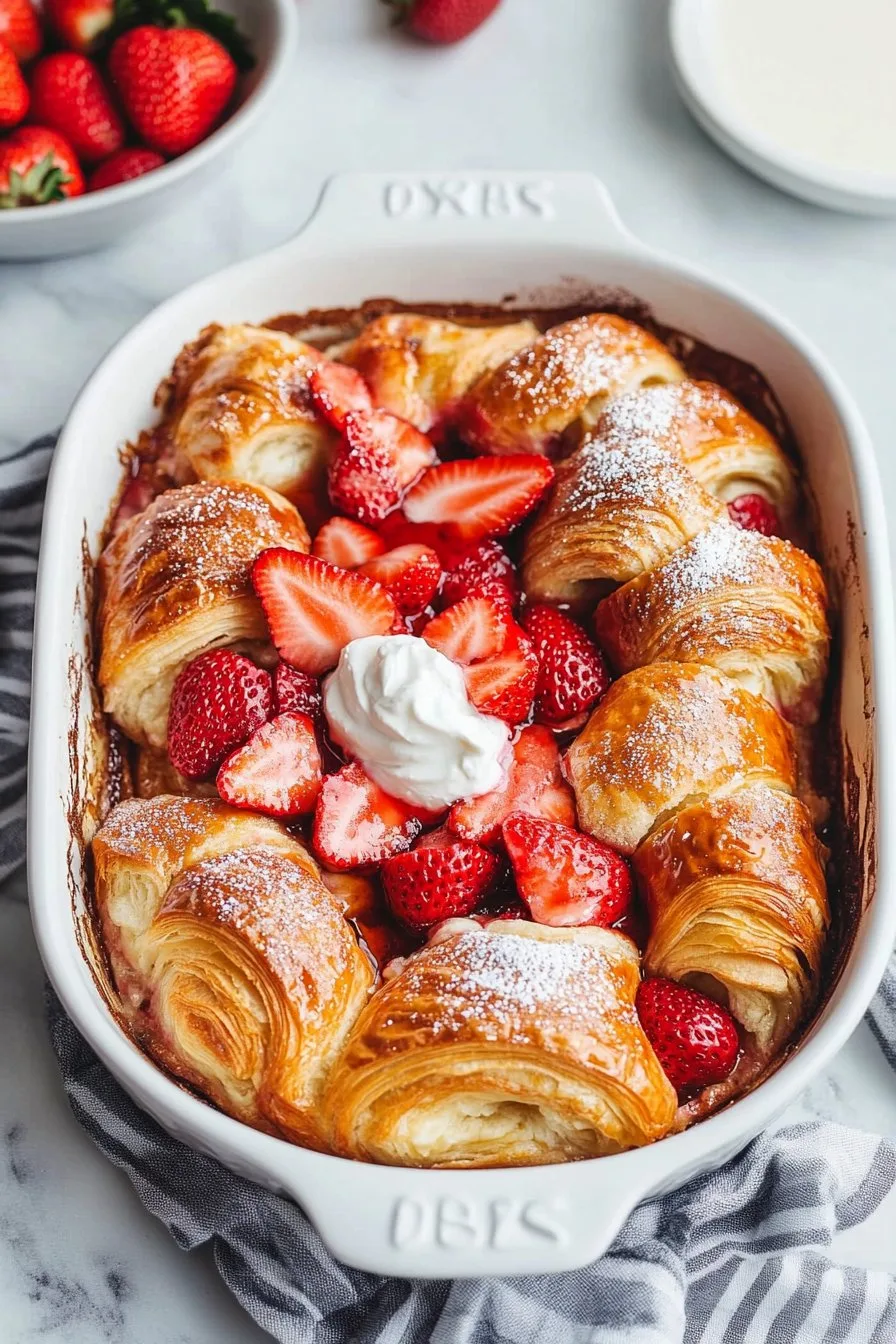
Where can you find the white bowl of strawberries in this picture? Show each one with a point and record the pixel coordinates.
(108, 106)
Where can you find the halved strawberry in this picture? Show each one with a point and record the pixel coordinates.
(534, 785)
(485, 570)
(314, 609)
(572, 675)
(277, 772)
(410, 573)
(695, 1039)
(342, 541)
(438, 881)
(565, 877)
(218, 701)
(500, 668)
(755, 514)
(297, 692)
(357, 824)
(337, 390)
(479, 497)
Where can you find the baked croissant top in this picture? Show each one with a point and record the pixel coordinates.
(665, 733)
(174, 581)
(239, 408)
(728, 451)
(563, 379)
(513, 1043)
(615, 511)
(418, 367)
(753, 606)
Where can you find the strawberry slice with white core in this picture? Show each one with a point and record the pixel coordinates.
(314, 609)
(438, 881)
(534, 785)
(337, 391)
(500, 668)
(566, 877)
(343, 542)
(357, 824)
(479, 497)
(410, 573)
(277, 772)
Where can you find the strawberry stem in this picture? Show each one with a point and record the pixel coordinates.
(184, 14)
(42, 183)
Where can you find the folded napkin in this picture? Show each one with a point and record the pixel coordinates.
(736, 1257)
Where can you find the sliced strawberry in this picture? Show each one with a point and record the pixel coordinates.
(755, 514)
(297, 692)
(438, 881)
(361, 478)
(337, 390)
(277, 772)
(342, 541)
(695, 1039)
(218, 701)
(485, 570)
(469, 631)
(534, 785)
(408, 447)
(479, 497)
(573, 674)
(314, 609)
(500, 668)
(357, 824)
(565, 877)
(504, 686)
(410, 573)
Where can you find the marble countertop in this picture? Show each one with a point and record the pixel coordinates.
(566, 85)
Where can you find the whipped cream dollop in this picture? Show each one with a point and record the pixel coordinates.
(400, 708)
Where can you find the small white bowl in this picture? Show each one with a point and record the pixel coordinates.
(852, 190)
(98, 218)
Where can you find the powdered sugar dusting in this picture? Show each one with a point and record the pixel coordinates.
(722, 555)
(637, 472)
(511, 987)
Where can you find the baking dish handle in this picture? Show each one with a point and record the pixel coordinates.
(368, 209)
(440, 1224)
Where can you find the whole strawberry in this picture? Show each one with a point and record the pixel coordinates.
(218, 701)
(572, 673)
(695, 1040)
(20, 29)
(79, 23)
(438, 880)
(124, 166)
(755, 514)
(13, 89)
(174, 84)
(443, 21)
(37, 165)
(69, 93)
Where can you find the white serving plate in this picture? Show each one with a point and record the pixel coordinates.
(474, 237)
(853, 190)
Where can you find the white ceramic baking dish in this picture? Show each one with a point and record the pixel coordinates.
(475, 237)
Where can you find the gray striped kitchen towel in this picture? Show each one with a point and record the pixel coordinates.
(736, 1257)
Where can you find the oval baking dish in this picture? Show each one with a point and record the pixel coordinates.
(477, 238)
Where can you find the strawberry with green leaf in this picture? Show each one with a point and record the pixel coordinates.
(37, 166)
